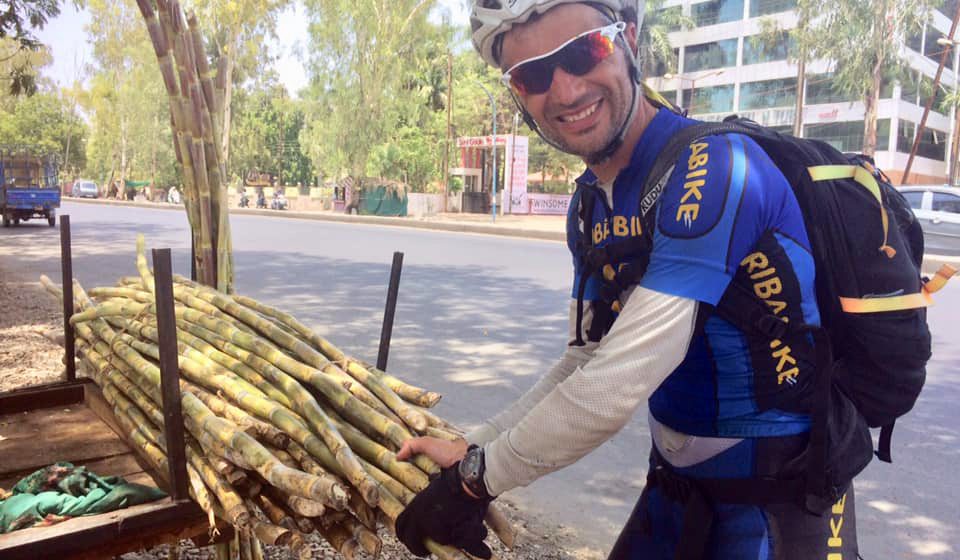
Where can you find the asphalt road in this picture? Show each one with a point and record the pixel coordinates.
(479, 318)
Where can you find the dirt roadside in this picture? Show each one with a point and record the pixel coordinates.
(28, 358)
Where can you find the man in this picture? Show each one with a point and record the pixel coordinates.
(723, 403)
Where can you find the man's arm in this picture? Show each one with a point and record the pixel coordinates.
(646, 343)
(573, 357)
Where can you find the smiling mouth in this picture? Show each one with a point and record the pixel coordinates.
(582, 114)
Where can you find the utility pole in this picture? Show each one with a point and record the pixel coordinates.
(446, 147)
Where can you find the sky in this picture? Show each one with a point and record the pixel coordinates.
(67, 38)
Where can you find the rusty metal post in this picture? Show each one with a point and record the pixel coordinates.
(387, 331)
(66, 268)
(170, 374)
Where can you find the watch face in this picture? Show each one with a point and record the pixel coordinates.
(470, 465)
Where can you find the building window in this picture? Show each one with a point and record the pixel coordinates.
(948, 8)
(716, 11)
(671, 17)
(915, 41)
(911, 93)
(848, 136)
(933, 143)
(658, 67)
(757, 49)
(716, 99)
(821, 89)
(707, 56)
(930, 47)
(764, 7)
(670, 95)
(769, 93)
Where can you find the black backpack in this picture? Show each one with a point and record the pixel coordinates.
(873, 344)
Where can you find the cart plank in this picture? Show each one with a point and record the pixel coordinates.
(37, 438)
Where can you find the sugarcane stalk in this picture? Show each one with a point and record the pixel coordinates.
(142, 433)
(406, 391)
(363, 512)
(249, 350)
(407, 473)
(260, 429)
(341, 540)
(132, 402)
(374, 393)
(368, 539)
(294, 481)
(337, 494)
(274, 512)
(269, 533)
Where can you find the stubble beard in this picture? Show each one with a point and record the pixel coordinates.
(589, 150)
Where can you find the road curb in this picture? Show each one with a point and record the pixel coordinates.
(454, 227)
(930, 262)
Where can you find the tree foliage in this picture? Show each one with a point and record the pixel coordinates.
(127, 104)
(44, 120)
(864, 38)
(377, 86)
(266, 133)
(18, 19)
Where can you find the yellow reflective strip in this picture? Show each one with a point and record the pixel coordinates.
(862, 176)
(939, 279)
(876, 305)
(655, 95)
(831, 172)
(865, 179)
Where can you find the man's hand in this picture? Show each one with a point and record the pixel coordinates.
(442, 452)
(445, 513)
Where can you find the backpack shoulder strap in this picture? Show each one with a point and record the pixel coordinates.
(667, 158)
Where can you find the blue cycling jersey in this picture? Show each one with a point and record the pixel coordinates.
(725, 208)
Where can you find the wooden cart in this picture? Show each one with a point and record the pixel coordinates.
(71, 421)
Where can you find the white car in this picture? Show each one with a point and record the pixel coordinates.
(938, 209)
(85, 189)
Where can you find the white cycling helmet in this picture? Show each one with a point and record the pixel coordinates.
(491, 18)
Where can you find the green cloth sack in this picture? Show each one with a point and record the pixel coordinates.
(62, 490)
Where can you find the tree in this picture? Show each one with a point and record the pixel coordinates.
(17, 21)
(654, 41)
(45, 121)
(237, 29)
(267, 130)
(131, 136)
(865, 38)
(376, 72)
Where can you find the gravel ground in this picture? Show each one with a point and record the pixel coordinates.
(26, 312)
(28, 358)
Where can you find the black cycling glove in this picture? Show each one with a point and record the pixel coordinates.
(444, 512)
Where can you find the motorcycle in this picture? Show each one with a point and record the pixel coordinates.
(244, 201)
(279, 203)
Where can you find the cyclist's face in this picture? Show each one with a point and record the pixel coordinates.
(581, 113)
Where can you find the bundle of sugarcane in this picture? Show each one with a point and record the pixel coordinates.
(196, 96)
(286, 434)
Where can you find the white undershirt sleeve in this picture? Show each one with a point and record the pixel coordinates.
(571, 414)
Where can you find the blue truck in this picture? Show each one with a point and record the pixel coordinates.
(29, 186)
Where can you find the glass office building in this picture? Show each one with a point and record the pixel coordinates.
(724, 67)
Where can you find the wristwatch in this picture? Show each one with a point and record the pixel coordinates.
(471, 471)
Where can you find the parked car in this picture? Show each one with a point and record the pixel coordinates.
(85, 189)
(938, 209)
